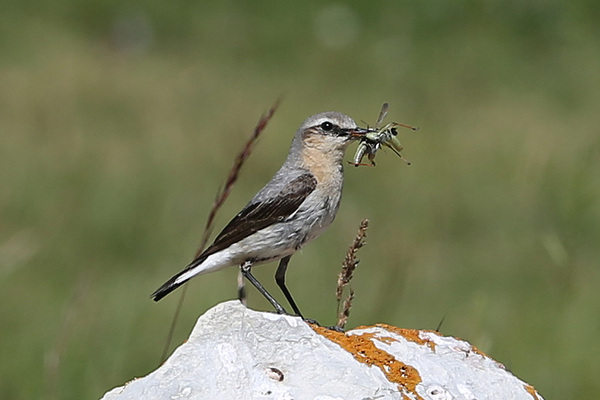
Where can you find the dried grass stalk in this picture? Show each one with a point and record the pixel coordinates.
(345, 313)
(345, 276)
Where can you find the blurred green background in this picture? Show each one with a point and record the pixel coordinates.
(119, 121)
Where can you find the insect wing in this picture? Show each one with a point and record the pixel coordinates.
(384, 110)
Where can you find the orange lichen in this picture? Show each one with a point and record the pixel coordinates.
(412, 335)
(364, 350)
(386, 339)
(531, 390)
(481, 353)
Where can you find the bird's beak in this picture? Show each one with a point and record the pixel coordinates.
(357, 133)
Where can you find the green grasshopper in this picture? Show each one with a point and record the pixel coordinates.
(371, 142)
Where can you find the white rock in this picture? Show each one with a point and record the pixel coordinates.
(236, 353)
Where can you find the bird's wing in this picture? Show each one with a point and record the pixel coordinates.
(255, 216)
(259, 215)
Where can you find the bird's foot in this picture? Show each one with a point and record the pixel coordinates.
(331, 328)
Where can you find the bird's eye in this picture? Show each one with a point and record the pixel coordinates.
(327, 126)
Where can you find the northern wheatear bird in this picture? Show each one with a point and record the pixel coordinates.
(295, 207)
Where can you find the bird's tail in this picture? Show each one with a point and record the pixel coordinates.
(179, 279)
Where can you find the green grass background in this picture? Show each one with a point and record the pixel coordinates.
(120, 119)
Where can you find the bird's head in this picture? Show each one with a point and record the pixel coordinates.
(329, 132)
(322, 140)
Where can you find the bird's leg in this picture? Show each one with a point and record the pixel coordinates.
(242, 295)
(245, 268)
(280, 279)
